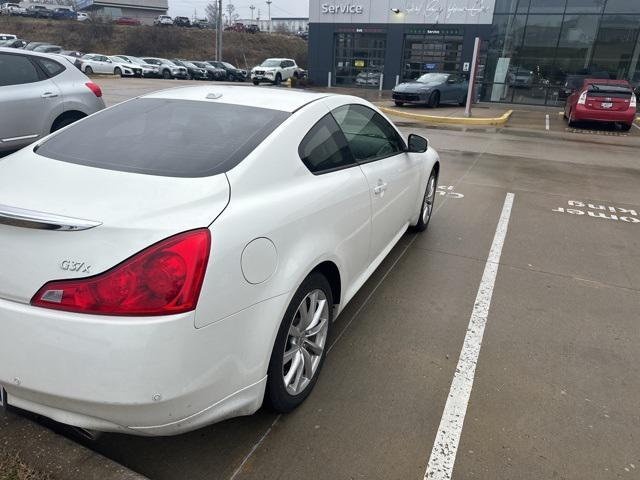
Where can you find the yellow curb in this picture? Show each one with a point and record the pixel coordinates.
(449, 120)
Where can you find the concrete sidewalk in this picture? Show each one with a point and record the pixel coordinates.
(54, 455)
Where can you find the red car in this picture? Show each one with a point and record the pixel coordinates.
(128, 21)
(599, 100)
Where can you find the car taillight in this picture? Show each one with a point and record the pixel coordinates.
(634, 101)
(583, 98)
(97, 91)
(163, 279)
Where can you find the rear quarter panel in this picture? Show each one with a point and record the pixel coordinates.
(309, 218)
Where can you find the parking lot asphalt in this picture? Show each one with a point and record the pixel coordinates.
(556, 390)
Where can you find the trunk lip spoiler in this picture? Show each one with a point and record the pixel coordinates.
(20, 217)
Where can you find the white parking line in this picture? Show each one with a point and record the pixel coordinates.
(635, 125)
(333, 344)
(443, 455)
(547, 122)
(441, 204)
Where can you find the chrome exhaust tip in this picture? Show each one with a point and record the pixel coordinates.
(90, 435)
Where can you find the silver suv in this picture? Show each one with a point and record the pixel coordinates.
(40, 94)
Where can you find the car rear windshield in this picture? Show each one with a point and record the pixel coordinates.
(597, 88)
(166, 137)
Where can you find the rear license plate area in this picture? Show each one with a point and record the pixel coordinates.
(607, 105)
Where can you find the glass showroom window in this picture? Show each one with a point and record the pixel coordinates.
(540, 58)
(616, 48)
(504, 43)
(532, 70)
(424, 53)
(359, 59)
(585, 6)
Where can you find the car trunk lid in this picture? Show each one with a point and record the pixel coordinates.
(60, 220)
(613, 98)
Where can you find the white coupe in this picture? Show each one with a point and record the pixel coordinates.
(176, 259)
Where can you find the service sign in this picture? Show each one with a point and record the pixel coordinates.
(408, 11)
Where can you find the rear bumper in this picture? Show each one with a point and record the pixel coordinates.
(158, 376)
(584, 114)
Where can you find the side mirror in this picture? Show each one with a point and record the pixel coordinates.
(417, 144)
(451, 81)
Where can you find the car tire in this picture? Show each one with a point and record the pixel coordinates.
(298, 355)
(570, 121)
(117, 71)
(399, 104)
(88, 70)
(166, 74)
(463, 103)
(434, 99)
(625, 127)
(63, 122)
(256, 82)
(278, 79)
(426, 209)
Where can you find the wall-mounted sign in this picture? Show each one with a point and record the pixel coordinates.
(465, 67)
(345, 8)
(410, 12)
(358, 63)
(430, 66)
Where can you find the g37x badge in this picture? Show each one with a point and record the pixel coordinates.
(71, 266)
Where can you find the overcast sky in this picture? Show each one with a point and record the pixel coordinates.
(279, 8)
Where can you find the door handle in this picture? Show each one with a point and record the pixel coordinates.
(49, 95)
(380, 188)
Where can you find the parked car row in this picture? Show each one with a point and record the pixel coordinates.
(241, 27)
(155, 67)
(57, 13)
(42, 11)
(133, 66)
(166, 20)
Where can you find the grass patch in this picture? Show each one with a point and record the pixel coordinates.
(13, 468)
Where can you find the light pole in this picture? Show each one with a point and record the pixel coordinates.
(252, 8)
(269, 2)
(219, 33)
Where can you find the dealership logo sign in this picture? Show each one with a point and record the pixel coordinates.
(436, 8)
(345, 8)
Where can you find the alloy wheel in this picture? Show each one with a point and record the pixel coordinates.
(429, 198)
(305, 342)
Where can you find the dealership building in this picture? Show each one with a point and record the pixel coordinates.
(529, 50)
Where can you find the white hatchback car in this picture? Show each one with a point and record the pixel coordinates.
(174, 260)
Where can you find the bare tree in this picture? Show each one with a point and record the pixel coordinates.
(232, 15)
(211, 12)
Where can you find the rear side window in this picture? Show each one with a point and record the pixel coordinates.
(369, 135)
(324, 148)
(173, 138)
(16, 70)
(52, 68)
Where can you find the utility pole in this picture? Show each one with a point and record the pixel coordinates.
(269, 2)
(252, 8)
(219, 33)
